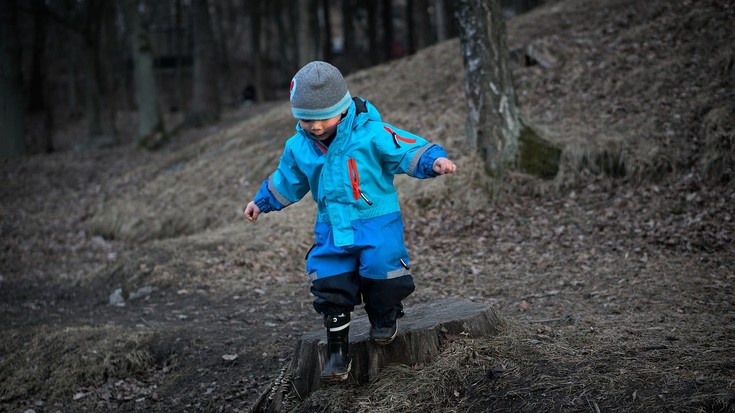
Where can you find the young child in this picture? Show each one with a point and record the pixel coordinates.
(347, 156)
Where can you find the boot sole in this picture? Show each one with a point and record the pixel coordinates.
(385, 341)
(337, 377)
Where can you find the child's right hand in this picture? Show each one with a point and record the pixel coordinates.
(252, 211)
(444, 166)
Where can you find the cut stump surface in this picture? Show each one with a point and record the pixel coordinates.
(422, 333)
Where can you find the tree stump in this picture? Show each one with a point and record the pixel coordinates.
(422, 333)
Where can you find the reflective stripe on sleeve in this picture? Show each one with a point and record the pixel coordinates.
(417, 157)
(280, 198)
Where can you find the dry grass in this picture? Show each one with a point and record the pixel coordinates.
(53, 363)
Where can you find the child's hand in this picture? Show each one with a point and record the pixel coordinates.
(444, 166)
(252, 211)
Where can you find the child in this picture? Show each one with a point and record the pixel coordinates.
(347, 156)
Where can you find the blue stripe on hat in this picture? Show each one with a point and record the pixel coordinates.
(325, 113)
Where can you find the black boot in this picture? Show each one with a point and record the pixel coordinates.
(383, 331)
(338, 364)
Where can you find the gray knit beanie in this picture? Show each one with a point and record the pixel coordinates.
(318, 91)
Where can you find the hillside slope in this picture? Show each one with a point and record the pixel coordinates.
(615, 280)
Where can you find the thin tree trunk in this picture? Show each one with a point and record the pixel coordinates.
(205, 102)
(315, 29)
(327, 32)
(101, 131)
(305, 45)
(151, 130)
(348, 30)
(387, 29)
(285, 35)
(374, 51)
(41, 118)
(179, 51)
(440, 21)
(256, 25)
(12, 143)
(410, 27)
(424, 36)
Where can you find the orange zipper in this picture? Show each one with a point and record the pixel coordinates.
(355, 182)
(354, 178)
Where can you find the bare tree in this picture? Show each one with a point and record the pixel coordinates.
(12, 143)
(494, 124)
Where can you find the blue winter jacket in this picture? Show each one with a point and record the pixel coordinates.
(352, 179)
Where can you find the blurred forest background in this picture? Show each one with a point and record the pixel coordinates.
(72, 66)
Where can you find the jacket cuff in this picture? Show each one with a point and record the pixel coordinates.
(425, 166)
(263, 205)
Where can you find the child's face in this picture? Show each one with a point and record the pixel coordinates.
(322, 128)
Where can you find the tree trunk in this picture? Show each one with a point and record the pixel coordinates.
(101, 127)
(205, 102)
(424, 36)
(179, 51)
(410, 27)
(494, 125)
(12, 143)
(387, 6)
(257, 11)
(305, 44)
(327, 30)
(493, 122)
(422, 334)
(348, 29)
(40, 130)
(440, 19)
(151, 131)
(372, 12)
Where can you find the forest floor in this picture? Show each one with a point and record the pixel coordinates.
(615, 280)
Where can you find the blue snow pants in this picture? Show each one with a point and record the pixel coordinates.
(374, 270)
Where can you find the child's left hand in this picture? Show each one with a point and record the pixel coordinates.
(444, 166)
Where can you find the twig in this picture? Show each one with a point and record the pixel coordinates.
(549, 320)
(593, 405)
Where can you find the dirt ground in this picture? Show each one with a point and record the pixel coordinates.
(615, 280)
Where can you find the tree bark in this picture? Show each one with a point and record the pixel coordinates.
(205, 102)
(151, 130)
(12, 144)
(493, 123)
(422, 334)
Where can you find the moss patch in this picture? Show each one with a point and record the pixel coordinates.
(537, 156)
